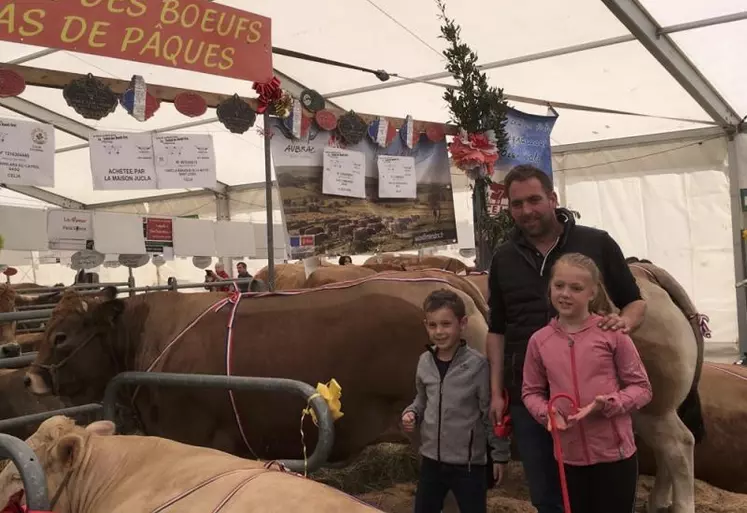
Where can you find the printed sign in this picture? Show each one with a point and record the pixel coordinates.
(133, 261)
(86, 259)
(198, 35)
(344, 173)
(69, 230)
(26, 150)
(122, 161)
(184, 161)
(397, 177)
(158, 233)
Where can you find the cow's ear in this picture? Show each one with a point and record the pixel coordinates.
(109, 293)
(69, 449)
(110, 311)
(102, 428)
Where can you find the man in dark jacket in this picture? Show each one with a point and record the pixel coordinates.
(519, 306)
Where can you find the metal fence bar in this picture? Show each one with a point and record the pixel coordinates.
(32, 473)
(17, 362)
(72, 411)
(26, 316)
(319, 405)
(46, 313)
(41, 290)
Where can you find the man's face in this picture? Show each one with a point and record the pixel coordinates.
(532, 208)
(241, 268)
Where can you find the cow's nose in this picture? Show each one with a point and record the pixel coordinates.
(27, 381)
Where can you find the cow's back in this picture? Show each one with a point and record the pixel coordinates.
(667, 345)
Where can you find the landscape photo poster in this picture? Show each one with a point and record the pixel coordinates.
(319, 223)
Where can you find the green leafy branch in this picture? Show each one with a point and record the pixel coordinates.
(476, 107)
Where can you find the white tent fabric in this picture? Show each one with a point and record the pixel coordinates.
(553, 52)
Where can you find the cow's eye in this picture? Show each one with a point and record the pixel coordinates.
(59, 338)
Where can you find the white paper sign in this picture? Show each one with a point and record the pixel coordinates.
(397, 177)
(344, 173)
(121, 161)
(26, 153)
(69, 229)
(184, 160)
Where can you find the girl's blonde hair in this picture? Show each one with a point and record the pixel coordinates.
(601, 303)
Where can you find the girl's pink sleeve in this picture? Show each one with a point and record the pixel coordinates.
(635, 391)
(534, 389)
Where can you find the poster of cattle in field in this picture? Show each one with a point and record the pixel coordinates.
(320, 224)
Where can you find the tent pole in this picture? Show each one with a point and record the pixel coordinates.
(268, 203)
(737, 217)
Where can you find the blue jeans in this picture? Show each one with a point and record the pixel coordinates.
(534, 442)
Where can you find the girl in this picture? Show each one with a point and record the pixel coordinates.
(603, 372)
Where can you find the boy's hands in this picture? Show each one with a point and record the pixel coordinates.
(408, 422)
(499, 469)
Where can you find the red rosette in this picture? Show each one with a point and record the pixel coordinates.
(190, 104)
(11, 83)
(10, 271)
(326, 119)
(435, 132)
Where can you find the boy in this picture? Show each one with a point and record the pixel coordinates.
(451, 407)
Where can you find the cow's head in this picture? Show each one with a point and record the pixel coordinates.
(60, 447)
(76, 356)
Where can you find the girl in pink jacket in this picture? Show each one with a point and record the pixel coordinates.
(603, 372)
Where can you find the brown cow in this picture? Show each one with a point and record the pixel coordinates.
(288, 276)
(95, 471)
(415, 262)
(17, 401)
(10, 300)
(721, 458)
(367, 335)
(327, 275)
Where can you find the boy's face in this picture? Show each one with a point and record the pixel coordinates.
(444, 328)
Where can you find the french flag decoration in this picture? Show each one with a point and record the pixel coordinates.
(296, 123)
(408, 134)
(382, 132)
(137, 101)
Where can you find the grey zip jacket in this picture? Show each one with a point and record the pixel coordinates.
(453, 415)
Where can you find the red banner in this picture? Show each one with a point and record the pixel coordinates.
(194, 35)
(158, 229)
(497, 199)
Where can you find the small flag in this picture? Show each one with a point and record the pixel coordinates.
(407, 133)
(382, 132)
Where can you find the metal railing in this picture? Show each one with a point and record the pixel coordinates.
(46, 313)
(17, 362)
(32, 473)
(318, 457)
(77, 286)
(318, 404)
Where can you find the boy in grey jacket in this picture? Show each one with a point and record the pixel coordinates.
(451, 407)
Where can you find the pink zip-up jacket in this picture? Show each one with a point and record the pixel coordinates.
(586, 364)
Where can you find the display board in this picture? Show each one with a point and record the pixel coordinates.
(321, 223)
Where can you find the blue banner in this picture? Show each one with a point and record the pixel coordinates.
(528, 141)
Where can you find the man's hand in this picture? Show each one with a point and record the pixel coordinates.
(615, 322)
(497, 404)
(408, 422)
(499, 469)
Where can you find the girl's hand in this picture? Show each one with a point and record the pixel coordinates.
(499, 469)
(560, 422)
(596, 405)
(408, 422)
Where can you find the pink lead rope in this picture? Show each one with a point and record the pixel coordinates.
(558, 449)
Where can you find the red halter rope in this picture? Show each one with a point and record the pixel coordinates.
(558, 450)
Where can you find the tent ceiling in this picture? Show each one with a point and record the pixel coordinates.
(614, 72)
